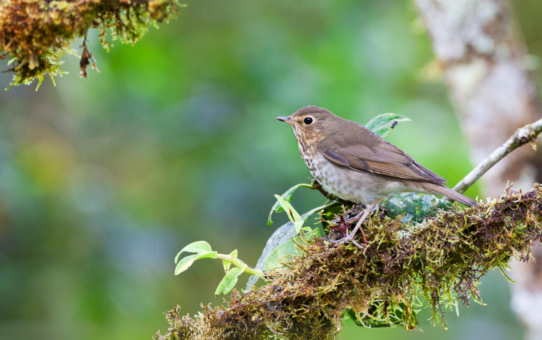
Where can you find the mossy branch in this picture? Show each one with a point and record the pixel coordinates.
(36, 34)
(439, 260)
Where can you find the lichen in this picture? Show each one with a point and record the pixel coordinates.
(439, 261)
(36, 34)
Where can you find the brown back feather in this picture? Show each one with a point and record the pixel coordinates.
(356, 147)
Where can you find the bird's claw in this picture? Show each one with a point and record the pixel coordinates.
(348, 238)
(358, 245)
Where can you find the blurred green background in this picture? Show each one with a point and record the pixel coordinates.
(103, 180)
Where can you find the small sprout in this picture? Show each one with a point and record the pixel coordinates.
(204, 250)
(504, 274)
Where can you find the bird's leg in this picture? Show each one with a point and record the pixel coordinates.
(365, 214)
(358, 226)
(342, 228)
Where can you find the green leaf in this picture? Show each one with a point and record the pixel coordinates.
(288, 195)
(186, 262)
(384, 123)
(309, 213)
(195, 247)
(293, 215)
(228, 264)
(378, 317)
(283, 234)
(288, 248)
(353, 316)
(229, 281)
(414, 206)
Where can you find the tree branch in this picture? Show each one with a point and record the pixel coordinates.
(440, 260)
(524, 135)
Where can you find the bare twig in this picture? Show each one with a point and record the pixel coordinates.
(522, 136)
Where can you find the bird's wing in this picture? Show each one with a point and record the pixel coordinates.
(377, 156)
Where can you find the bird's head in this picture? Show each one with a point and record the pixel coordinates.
(309, 123)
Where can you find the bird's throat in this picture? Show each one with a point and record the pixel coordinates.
(307, 145)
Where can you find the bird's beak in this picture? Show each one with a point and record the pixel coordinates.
(286, 120)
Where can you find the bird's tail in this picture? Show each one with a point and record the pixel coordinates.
(444, 191)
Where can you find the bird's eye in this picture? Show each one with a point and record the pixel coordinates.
(308, 121)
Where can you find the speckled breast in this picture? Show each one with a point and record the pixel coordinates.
(350, 185)
(347, 184)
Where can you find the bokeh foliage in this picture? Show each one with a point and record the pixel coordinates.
(104, 179)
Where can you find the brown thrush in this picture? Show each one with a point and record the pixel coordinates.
(354, 164)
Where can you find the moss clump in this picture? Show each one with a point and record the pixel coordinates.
(439, 260)
(36, 34)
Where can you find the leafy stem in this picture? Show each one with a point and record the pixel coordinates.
(240, 264)
(203, 250)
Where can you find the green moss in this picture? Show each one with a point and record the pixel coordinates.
(36, 34)
(435, 263)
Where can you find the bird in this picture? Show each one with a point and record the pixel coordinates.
(354, 164)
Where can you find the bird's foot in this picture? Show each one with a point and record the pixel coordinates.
(350, 237)
(342, 228)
